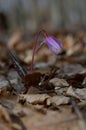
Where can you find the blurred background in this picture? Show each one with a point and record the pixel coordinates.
(32, 15)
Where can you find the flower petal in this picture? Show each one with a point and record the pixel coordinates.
(54, 45)
(52, 49)
(56, 40)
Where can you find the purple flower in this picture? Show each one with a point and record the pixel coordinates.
(54, 45)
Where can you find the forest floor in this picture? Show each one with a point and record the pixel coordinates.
(56, 90)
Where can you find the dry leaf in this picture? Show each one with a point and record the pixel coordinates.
(57, 100)
(59, 82)
(77, 93)
(71, 92)
(44, 98)
(32, 78)
(34, 98)
(81, 93)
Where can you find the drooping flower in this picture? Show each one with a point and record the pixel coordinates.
(54, 45)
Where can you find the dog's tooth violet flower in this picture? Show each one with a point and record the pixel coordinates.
(54, 45)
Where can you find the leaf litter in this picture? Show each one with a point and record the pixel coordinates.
(51, 97)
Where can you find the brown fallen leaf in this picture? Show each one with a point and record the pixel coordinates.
(34, 98)
(32, 78)
(81, 93)
(58, 100)
(59, 82)
(43, 98)
(77, 93)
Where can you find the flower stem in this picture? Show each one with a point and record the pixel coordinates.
(35, 44)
